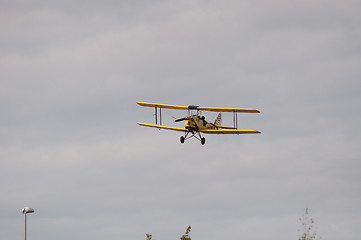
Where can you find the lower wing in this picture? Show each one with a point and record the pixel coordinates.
(163, 127)
(227, 131)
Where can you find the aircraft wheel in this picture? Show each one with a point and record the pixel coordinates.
(203, 140)
(182, 139)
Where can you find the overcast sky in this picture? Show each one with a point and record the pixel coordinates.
(71, 73)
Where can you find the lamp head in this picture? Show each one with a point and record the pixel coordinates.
(26, 210)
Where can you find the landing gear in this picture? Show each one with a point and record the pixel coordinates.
(199, 137)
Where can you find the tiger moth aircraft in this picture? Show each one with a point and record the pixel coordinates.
(195, 123)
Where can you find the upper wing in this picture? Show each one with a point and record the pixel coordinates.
(191, 107)
(215, 109)
(144, 104)
(163, 127)
(227, 131)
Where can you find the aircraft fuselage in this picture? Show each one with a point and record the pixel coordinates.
(198, 123)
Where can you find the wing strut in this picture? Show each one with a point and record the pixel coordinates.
(156, 115)
(235, 120)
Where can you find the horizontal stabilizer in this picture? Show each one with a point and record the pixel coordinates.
(225, 127)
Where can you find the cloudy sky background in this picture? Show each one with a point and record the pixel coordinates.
(71, 73)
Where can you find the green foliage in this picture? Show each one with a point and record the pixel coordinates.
(149, 236)
(186, 236)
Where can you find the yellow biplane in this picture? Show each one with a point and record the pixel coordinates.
(195, 124)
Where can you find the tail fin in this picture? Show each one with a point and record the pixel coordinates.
(218, 120)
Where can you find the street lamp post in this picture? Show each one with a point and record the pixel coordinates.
(25, 211)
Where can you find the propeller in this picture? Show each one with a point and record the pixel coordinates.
(185, 118)
(181, 119)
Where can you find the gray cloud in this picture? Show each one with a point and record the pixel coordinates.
(71, 74)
